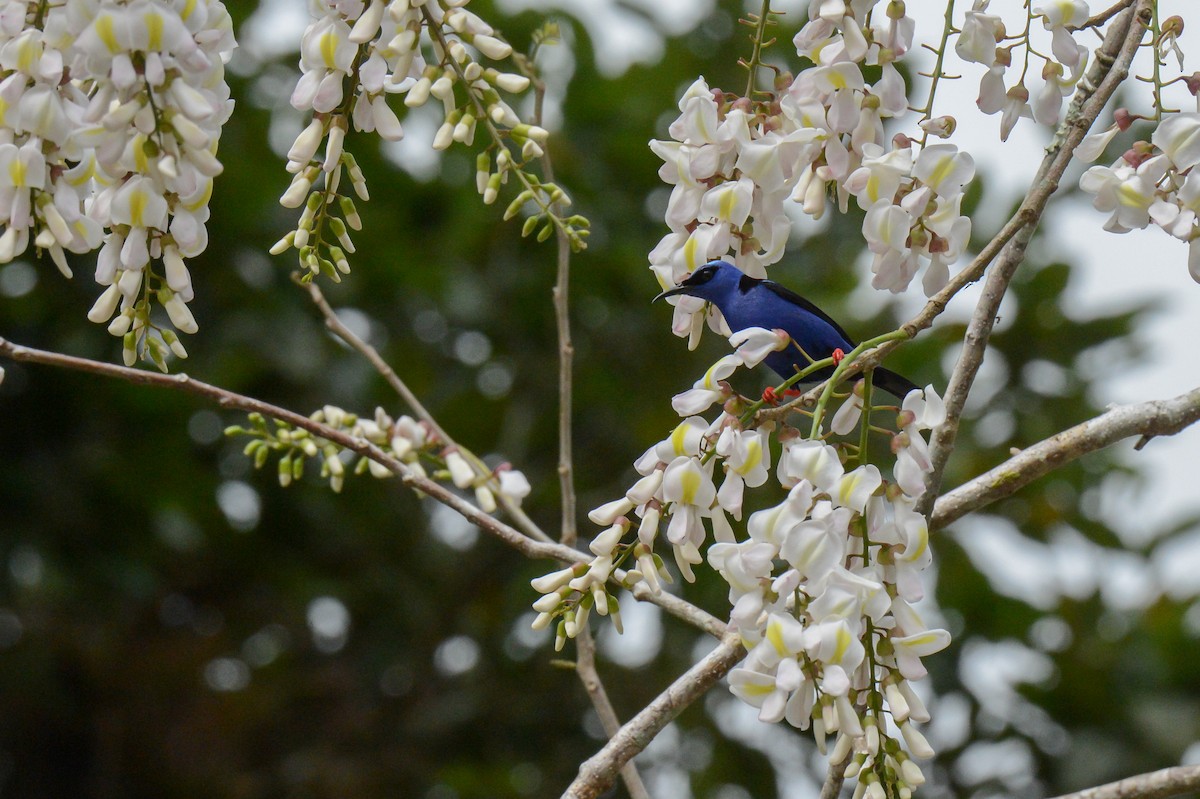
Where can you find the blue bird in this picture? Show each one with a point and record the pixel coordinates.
(746, 301)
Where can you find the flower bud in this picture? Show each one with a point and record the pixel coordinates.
(461, 472)
(916, 741)
(943, 127)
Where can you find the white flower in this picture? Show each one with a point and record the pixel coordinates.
(1057, 16)
(747, 460)
(816, 545)
(1094, 143)
(1178, 135)
(742, 565)
(1124, 191)
(944, 169)
(728, 202)
(880, 175)
(708, 389)
(754, 344)
(980, 33)
(807, 459)
(856, 487)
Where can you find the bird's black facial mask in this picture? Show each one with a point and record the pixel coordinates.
(697, 278)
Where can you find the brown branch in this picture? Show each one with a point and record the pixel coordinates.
(1154, 785)
(1109, 69)
(596, 773)
(509, 535)
(566, 350)
(835, 777)
(1104, 16)
(585, 667)
(339, 328)
(1147, 419)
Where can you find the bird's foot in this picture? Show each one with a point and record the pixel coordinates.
(837, 356)
(772, 397)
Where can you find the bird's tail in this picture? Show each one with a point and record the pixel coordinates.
(894, 384)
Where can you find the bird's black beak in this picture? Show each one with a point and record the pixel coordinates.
(670, 293)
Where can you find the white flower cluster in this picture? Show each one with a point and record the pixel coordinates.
(405, 439)
(822, 586)
(1153, 181)
(381, 47)
(734, 163)
(111, 114)
(984, 39)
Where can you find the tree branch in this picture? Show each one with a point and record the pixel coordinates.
(509, 535)
(1154, 785)
(596, 773)
(1149, 419)
(339, 328)
(1114, 54)
(585, 667)
(835, 777)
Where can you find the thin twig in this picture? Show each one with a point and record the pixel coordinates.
(339, 328)
(1154, 785)
(585, 667)
(936, 74)
(509, 535)
(1114, 56)
(585, 644)
(1104, 16)
(1147, 419)
(596, 773)
(566, 349)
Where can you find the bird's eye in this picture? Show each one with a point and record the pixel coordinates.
(702, 275)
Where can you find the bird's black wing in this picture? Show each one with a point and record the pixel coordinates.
(796, 299)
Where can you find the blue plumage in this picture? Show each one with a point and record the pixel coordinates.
(745, 302)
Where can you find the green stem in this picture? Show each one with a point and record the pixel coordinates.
(760, 33)
(936, 75)
(1156, 34)
(836, 377)
(865, 422)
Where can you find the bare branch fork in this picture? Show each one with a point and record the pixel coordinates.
(339, 328)
(597, 772)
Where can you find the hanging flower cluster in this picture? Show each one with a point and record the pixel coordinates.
(984, 39)
(405, 439)
(822, 585)
(1152, 181)
(735, 162)
(108, 136)
(437, 50)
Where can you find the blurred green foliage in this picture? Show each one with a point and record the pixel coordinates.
(128, 594)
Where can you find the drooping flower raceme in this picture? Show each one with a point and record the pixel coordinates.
(1152, 182)
(112, 115)
(735, 163)
(353, 56)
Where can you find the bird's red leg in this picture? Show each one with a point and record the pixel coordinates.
(769, 396)
(837, 356)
